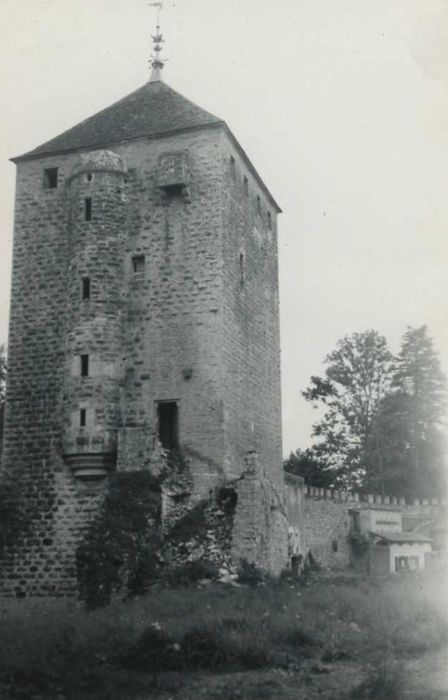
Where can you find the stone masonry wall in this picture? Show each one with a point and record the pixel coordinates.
(173, 336)
(327, 528)
(194, 318)
(251, 320)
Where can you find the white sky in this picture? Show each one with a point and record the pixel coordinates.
(342, 105)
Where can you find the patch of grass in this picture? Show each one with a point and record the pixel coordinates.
(385, 681)
(189, 573)
(222, 628)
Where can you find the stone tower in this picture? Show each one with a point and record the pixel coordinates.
(144, 312)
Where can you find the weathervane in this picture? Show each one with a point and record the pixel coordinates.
(156, 61)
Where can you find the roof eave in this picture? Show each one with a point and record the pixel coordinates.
(219, 123)
(33, 155)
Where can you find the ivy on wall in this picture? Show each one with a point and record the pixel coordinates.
(119, 547)
(13, 518)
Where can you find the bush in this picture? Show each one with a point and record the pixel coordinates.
(191, 572)
(250, 574)
(155, 651)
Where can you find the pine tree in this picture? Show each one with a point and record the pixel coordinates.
(410, 421)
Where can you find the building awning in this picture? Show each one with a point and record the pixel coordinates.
(401, 537)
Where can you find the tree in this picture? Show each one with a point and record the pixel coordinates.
(357, 377)
(2, 391)
(307, 464)
(410, 420)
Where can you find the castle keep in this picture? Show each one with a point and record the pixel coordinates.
(144, 315)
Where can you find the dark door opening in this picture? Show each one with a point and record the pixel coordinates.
(168, 418)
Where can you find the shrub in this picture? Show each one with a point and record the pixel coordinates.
(191, 572)
(118, 553)
(250, 574)
(155, 651)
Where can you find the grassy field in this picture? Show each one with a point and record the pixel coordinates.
(221, 641)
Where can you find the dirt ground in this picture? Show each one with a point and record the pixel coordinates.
(425, 678)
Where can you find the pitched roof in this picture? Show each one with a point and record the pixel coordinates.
(155, 109)
(151, 110)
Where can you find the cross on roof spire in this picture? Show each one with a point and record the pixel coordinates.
(157, 62)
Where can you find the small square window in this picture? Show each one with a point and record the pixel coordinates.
(88, 209)
(84, 365)
(138, 265)
(50, 178)
(86, 288)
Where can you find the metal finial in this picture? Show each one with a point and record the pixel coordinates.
(157, 62)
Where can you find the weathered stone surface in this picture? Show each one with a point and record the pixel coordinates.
(194, 320)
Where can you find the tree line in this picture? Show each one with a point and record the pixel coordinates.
(381, 418)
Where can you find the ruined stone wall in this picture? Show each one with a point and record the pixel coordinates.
(251, 320)
(260, 525)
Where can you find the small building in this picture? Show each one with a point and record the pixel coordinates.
(398, 552)
(366, 518)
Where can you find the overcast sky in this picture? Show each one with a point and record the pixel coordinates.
(342, 105)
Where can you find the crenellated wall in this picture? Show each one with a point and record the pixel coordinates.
(323, 519)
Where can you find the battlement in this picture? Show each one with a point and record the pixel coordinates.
(366, 500)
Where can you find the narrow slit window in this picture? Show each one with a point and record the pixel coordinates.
(232, 167)
(86, 288)
(50, 178)
(269, 220)
(168, 420)
(82, 417)
(246, 186)
(84, 365)
(88, 209)
(258, 203)
(242, 269)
